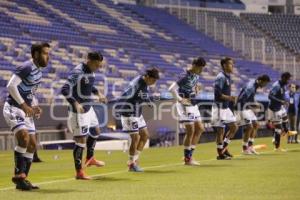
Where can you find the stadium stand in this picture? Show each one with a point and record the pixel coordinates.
(130, 37)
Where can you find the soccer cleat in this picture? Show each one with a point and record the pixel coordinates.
(34, 187)
(18, 177)
(192, 162)
(280, 150)
(80, 175)
(226, 153)
(93, 161)
(223, 157)
(133, 167)
(21, 183)
(247, 152)
(253, 151)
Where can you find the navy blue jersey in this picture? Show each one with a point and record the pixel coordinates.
(276, 96)
(31, 77)
(222, 86)
(132, 98)
(80, 87)
(186, 84)
(247, 93)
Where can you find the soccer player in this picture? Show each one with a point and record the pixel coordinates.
(184, 91)
(293, 98)
(277, 112)
(83, 121)
(20, 110)
(130, 109)
(222, 115)
(246, 105)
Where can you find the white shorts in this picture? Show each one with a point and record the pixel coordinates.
(277, 116)
(80, 123)
(132, 125)
(246, 117)
(188, 114)
(221, 117)
(17, 120)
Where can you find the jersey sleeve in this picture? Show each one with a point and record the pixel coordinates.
(23, 71)
(218, 86)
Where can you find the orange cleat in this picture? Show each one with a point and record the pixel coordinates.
(93, 161)
(80, 175)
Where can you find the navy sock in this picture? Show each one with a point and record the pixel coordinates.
(90, 144)
(28, 162)
(187, 153)
(19, 163)
(285, 126)
(192, 151)
(77, 155)
(250, 143)
(277, 138)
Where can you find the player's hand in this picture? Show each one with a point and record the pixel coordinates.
(37, 112)
(103, 99)
(285, 103)
(185, 101)
(79, 107)
(29, 112)
(198, 88)
(233, 99)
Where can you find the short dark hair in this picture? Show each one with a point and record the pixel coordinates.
(225, 60)
(38, 48)
(152, 72)
(95, 55)
(264, 78)
(286, 75)
(199, 62)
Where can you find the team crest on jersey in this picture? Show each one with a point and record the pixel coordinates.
(34, 89)
(134, 125)
(29, 96)
(86, 80)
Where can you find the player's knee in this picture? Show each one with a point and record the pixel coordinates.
(199, 128)
(94, 131)
(22, 138)
(255, 125)
(233, 127)
(190, 129)
(249, 126)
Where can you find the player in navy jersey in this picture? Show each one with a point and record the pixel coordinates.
(222, 115)
(21, 108)
(277, 113)
(130, 109)
(246, 105)
(83, 121)
(184, 91)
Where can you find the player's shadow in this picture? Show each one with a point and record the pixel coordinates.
(294, 150)
(214, 165)
(246, 158)
(110, 179)
(271, 154)
(159, 171)
(56, 191)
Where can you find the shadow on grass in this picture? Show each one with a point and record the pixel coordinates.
(272, 154)
(294, 150)
(56, 191)
(159, 171)
(109, 179)
(246, 158)
(215, 165)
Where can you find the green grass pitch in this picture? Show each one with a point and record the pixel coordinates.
(271, 175)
